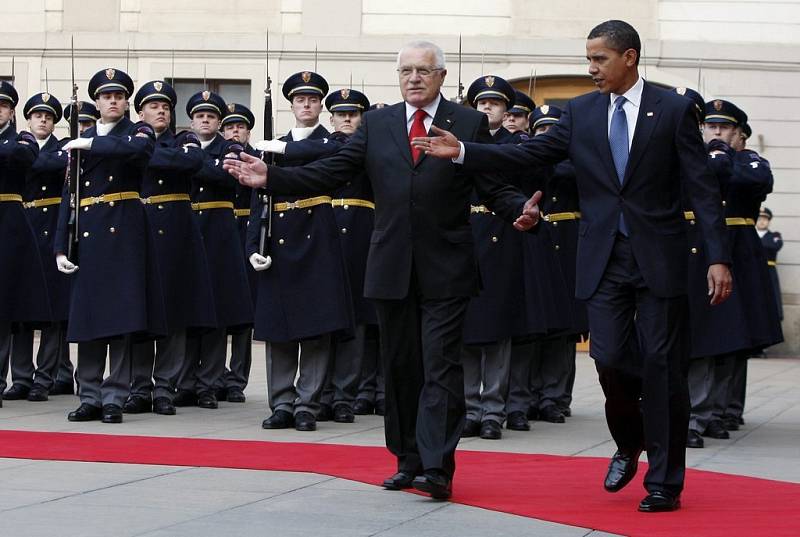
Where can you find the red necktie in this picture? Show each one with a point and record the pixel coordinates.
(417, 130)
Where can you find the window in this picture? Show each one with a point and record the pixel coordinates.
(232, 91)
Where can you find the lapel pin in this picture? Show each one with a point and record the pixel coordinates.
(649, 114)
(448, 120)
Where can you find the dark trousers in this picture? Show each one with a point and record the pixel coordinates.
(737, 387)
(371, 384)
(93, 387)
(156, 365)
(640, 344)
(237, 375)
(421, 343)
(552, 363)
(520, 396)
(344, 369)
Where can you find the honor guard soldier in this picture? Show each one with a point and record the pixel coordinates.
(213, 195)
(516, 119)
(304, 297)
(236, 126)
(87, 115)
(24, 299)
(772, 243)
(561, 215)
(43, 186)
(492, 316)
(183, 267)
(116, 292)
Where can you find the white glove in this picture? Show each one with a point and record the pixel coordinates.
(259, 262)
(271, 146)
(84, 144)
(65, 265)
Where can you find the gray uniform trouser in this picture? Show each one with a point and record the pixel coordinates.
(52, 347)
(550, 370)
(344, 369)
(311, 357)
(570, 354)
(238, 372)
(66, 372)
(709, 381)
(154, 374)
(204, 363)
(738, 387)
(93, 388)
(371, 387)
(519, 384)
(487, 366)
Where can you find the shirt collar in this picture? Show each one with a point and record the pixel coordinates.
(43, 143)
(301, 133)
(104, 128)
(7, 125)
(633, 95)
(430, 109)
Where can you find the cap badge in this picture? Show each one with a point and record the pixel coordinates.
(345, 93)
(489, 81)
(545, 109)
(110, 73)
(680, 91)
(306, 76)
(231, 108)
(45, 97)
(206, 95)
(158, 85)
(717, 105)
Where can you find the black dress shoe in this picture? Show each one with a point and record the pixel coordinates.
(62, 388)
(715, 429)
(280, 419)
(16, 392)
(221, 394)
(185, 398)
(730, 423)
(236, 395)
(694, 440)
(163, 406)
(471, 428)
(112, 414)
(567, 411)
(380, 407)
(325, 412)
(343, 414)
(621, 470)
(305, 421)
(136, 404)
(86, 412)
(491, 430)
(660, 502)
(533, 413)
(517, 421)
(552, 414)
(435, 483)
(38, 393)
(399, 481)
(207, 400)
(363, 407)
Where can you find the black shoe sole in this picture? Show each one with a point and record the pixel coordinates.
(661, 509)
(436, 492)
(518, 427)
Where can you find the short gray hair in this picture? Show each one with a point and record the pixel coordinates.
(426, 45)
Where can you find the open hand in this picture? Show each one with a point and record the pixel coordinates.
(443, 145)
(530, 213)
(248, 170)
(720, 283)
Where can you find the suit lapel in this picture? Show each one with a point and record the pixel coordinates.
(443, 119)
(399, 131)
(645, 125)
(599, 122)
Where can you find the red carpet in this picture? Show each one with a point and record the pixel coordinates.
(556, 488)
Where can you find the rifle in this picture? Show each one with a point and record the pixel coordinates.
(460, 97)
(74, 169)
(266, 209)
(13, 83)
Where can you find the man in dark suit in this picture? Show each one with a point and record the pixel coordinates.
(421, 267)
(634, 147)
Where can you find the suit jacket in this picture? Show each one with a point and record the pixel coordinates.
(421, 209)
(667, 155)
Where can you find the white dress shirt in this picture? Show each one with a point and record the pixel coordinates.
(301, 133)
(631, 108)
(104, 128)
(430, 109)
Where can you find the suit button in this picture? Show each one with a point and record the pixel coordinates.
(344, 230)
(281, 215)
(44, 209)
(45, 233)
(110, 203)
(558, 247)
(308, 236)
(494, 239)
(281, 241)
(160, 181)
(555, 224)
(44, 188)
(264, 199)
(345, 207)
(555, 198)
(86, 209)
(110, 178)
(199, 212)
(201, 189)
(160, 231)
(691, 222)
(309, 211)
(85, 233)
(349, 183)
(694, 250)
(160, 207)
(724, 203)
(87, 183)
(112, 230)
